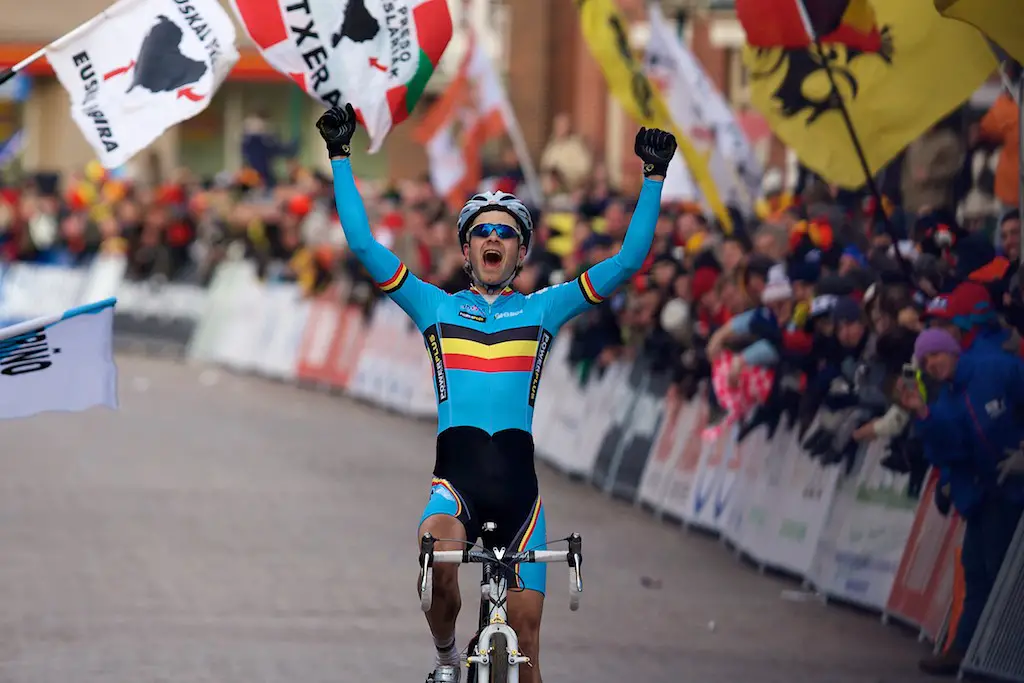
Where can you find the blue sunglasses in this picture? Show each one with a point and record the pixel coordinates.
(502, 231)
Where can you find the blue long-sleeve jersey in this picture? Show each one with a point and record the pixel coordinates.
(488, 358)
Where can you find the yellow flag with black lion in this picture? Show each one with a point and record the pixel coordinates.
(898, 65)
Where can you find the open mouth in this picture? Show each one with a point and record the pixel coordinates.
(492, 257)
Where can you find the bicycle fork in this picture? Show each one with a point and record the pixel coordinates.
(484, 657)
(493, 622)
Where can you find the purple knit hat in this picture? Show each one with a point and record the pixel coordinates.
(935, 340)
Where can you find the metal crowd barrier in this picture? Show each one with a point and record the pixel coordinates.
(997, 649)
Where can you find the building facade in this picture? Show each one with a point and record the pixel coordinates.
(536, 43)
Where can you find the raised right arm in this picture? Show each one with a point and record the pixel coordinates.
(416, 297)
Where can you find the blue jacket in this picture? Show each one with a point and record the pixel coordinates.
(973, 420)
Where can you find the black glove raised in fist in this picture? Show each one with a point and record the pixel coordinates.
(656, 149)
(337, 126)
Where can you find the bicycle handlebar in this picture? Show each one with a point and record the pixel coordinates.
(573, 556)
(470, 556)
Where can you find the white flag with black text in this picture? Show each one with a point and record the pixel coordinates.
(141, 67)
(702, 112)
(63, 362)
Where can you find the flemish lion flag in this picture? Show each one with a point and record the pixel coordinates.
(376, 54)
(899, 66)
(1000, 20)
(605, 31)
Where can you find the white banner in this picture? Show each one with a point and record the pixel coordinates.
(703, 114)
(141, 67)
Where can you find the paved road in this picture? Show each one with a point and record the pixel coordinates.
(239, 530)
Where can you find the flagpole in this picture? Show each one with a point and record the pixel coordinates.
(522, 151)
(8, 74)
(1020, 148)
(872, 186)
(515, 133)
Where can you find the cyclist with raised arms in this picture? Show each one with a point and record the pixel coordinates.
(487, 345)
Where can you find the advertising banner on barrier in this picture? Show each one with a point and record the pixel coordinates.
(628, 467)
(748, 456)
(617, 434)
(800, 511)
(683, 475)
(923, 586)
(703, 507)
(220, 308)
(287, 314)
(764, 495)
(867, 530)
(33, 290)
(599, 397)
(322, 325)
(156, 311)
(676, 425)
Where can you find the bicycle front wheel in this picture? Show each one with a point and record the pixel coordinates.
(499, 659)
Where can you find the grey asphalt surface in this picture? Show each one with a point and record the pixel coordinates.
(222, 528)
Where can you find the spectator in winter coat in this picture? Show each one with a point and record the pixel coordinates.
(968, 430)
(260, 147)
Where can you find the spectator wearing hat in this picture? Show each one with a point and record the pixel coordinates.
(967, 314)
(969, 428)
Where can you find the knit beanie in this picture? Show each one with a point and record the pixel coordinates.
(846, 310)
(777, 288)
(935, 340)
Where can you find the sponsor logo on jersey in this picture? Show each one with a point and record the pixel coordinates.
(507, 314)
(430, 337)
(472, 316)
(472, 312)
(538, 364)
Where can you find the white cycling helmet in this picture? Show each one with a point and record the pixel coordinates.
(496, 201)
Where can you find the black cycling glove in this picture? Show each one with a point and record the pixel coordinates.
(656, 149)
(337, 126)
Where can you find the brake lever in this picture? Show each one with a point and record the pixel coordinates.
(575, 561)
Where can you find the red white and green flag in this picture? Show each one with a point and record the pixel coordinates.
(376, 54)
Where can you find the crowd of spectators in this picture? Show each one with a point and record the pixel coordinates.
(850, 320)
